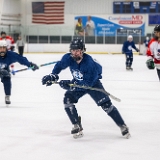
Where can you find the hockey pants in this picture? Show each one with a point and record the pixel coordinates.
(129, 60)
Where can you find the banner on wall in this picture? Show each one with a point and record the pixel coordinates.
(153, 19)
(110, 25)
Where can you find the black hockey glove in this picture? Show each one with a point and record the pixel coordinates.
(65, 84)
(33, 66)
(137, 49)
(49, 79)
(150, 64)
(4, 73)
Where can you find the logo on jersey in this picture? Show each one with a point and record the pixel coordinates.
(158, 54)
(77, 75)
(129, 47)
(2, 65)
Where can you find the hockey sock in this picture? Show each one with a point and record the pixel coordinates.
(112, 111)
(72, 113)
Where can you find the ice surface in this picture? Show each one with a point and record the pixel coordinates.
(36, 127)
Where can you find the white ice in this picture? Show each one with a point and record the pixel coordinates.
(36, 127)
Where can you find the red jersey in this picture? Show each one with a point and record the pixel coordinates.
(9, 40)
(153, 51)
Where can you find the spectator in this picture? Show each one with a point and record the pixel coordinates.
(20, 45)
(79, 31)
(90, 26)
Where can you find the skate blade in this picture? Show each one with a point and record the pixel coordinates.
(78, 135)
(127, 136)
(7, 105)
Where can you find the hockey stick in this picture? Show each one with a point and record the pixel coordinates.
(94, 89)
(42, 65)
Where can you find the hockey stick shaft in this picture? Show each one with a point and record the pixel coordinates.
(94, 89)
(42, 65)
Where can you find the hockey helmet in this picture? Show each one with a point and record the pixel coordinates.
(3, 43)
(130, 36)
(77, 43)
(3, 33)
(157, 28)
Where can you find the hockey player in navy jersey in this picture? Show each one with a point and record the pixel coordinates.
(7, 58)
(127, 50)
(85, 72)
(146, 42)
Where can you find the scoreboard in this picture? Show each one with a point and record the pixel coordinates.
(136, 7)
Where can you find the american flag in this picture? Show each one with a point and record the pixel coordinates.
(48, 12)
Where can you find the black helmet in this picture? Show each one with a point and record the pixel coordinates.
(3, 32)
(157, 28)
(77, 43)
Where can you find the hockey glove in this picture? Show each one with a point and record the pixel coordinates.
(137, 49)
(33, 66)
(4, 73)
(150, 64)
(65, 84)
(48, 79)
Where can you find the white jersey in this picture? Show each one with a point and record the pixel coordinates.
(153, 51)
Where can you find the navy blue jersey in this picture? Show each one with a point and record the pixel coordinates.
(87, 72)
(12, 57)
(127, 47)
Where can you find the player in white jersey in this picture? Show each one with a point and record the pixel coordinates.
(153, 51)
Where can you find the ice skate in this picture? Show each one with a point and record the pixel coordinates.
(7, 99)
(127, 68)
(130, 68)
(77, 129)
(125, 131)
